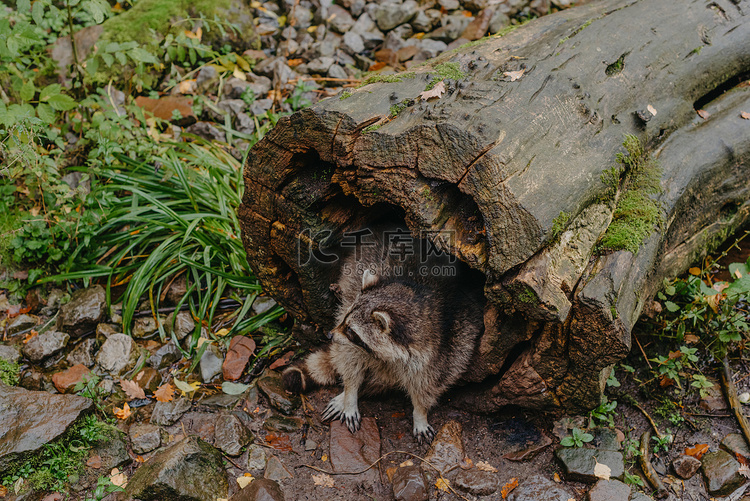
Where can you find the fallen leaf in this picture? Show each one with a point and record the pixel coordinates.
(238, 73)
(187, 86)
(485, 466)
(408, 462)
(3, 491)
(21, 275)
(398, 415)
(231, 388)
(244, 480)
(443, 484)
(466, 464)
(674, 355)
(131, 389)
(139, 459)
(323, 480)
(437, 91)
(507, 488)
(691, 338)
(186, 388)
(651, 110)
(602, 471)
(703, 114)
(745, 115)
(515, 75)
(744, 471)
(94, 462)
(280, 442)
(29, 336)
(117, 478)
(741, 459)
(324, 458)
(695, 271)
(556, 478)
(282, 361)
(294, 62)
(55, 496)
(697, 451)
(376, 66)
(201, 341)
(164, 393)
(123, 413)
(196, 36)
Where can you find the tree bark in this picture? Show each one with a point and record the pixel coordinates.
(510, 159)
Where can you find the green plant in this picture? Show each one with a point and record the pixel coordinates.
(89, 387)
(633, 480)
(559, 224)
(672, 365)
(450, 70)
(577, 438)
(662, 443)
(605, 412)
(104, 486)
(702, 384)
(9, 372)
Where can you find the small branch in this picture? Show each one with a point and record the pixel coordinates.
(648, 470)
(642, 351)
(630, 400)
(734, 402)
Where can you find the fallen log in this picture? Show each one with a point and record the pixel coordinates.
(518, 161)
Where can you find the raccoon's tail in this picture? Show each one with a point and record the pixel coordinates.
(314, 371)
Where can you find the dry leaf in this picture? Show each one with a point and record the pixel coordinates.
(294, 62)
(3, 491)
(222, 332)
(201, 341)
(164, 393)
(282, 361)
(398, 415)
(408, 462)
(741, 459)
(117, 478)
(556, 478)
(437, 91)
(515, 75)
(238, 73)
(123, 413)
(745, 115)
(94, 462)
(443, 484)
(691, 338)
(704, 114)
(280, 442)
(651, 110)
(55, 496)
(244, 480)
(485, 466)
(187, 86)
(602, 471)
(323, 480)
(196, 36)
(377, 66)
(695, 271)
(744, 471)
(29, 336)
(737, 273)
(186, 388)
(697, 451)
(507, 488)
(324, 458)
(131, 389)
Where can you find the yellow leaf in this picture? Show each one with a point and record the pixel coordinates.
(443, 484)
(245, 480)
(222, 332)
(187, 86)
(507, 488)
(123, 413)
(117, 478)
(201, 341)
(602, 471)
(242, 63)
(695, 271)
(408, 462)
(238, 73)
(324, 458)
(323, 480)
(485, 466)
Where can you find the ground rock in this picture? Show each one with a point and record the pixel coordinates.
(609, 490)
(390, 14)
(479, 26)
(685, 466)
(579, 463)
(275, 470)
(144, 327)
(734, 444)
(355, 451)
(83, 353)
(409, 485)
(118, 354)
(476, 482)
(256, 457)
(106, 330)
(167, 413)
(86, 308)
(10, 353)
(26, 423)
(44, 345)
(21, 323)
(447, 448)
(66, 380)
(284, 424)
(342, 21)
(353, 43)
(165, 356)
(112, 450)
(272, 387)
(144, 437)
(260, 489)
(721, 473)
(230, 435)
(538, 488)
(211, 362)
(206, 130)
(240, 350)
(148, 378)
(189, 470)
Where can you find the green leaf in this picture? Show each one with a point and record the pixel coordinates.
(49, 91)
(28, 90)
(23, 6)
(671, 306)
(567, 442)
(61, 102)
(108, 59)
(46, 113)
(234, 388)
(37, 12)
(140, 55)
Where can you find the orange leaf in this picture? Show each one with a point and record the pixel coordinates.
(294, 62)
(377, 66)
(745, 115)
(280, 443)
(697, 451)
(29, 336)
(695, 271)
(131, 389)
(664, 381)
(691, 338)
(507, 488)
(283, 360)
(674, 355)
(123, 413)
(398, 415)
(94, 462)
(742, 459)
(165, 393)
(703, 114)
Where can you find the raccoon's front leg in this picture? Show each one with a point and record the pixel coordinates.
(345, 404)
(422, 404)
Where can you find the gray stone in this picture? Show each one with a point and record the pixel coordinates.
(352, 43)
(336, 71)
(144, 437)
(189, 470)
(207, 131)
(639, 496)
(144, 327)
(609, 490)
(262, 304)
(734, 444)
(273, 388)
(44, 345)
(260, 106)
(21, 323)
(180, 324)
(389, 14)
(539, 488)
(234, 88)
(210, 363)
(206, 78)
(449, 4)
(357, 7)
(10, 353)
(230, 435)
(721, 473)
(260, 489)
(340, 20)
(429, 48)
(421, 22)
(303, 17)
(476, 482)
(27, 423)
(256, 457)
(106, 330)
(165, 356)
(118, 354)
(606, 439)
(579, 463)
(409, 485)
(283, 424)
(232, 106)
(447, 449)
(404, 31)
(87, 307)
(364, 24)
(498, 22)
(685, 466)
(167, 413)
(112, 450)
(83, 353)
(275, 470)
(320, 65)
(453, 29)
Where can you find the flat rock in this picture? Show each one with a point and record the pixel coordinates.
(106, 330)
(734, 444)
(148, 378)
(260, 489)
(230, 435)
(721, 473)
(606, 439)
(241, 348)
(579, 463)
(355, 451)
(83, 353)
(21, 323)
(189, 470)
(639, 496)
(66, 380)
(391, 14)
(118, 354)
(210, 364)
(256, 457)
(609, 490)
(144, 437)
(275, 470)
(686, 466)
(476, 482)
(447, 448)
(409, 485)
(165, 107)
(272, 387)
(165, 356)
(86, 308)
(112, 449)
(45, 345)
(180, 324)
(144, 327)
(539, 488)
(10, 353)
(167, 413)
(284, 424)
(26, 423)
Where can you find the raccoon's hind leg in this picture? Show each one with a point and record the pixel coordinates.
(422, 402)
(314, 371)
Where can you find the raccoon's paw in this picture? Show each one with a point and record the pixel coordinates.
(294, 379)
(337, 410)
(424, 433)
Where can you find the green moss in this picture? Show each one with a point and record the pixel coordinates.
(399, 107)
(695, 51)
(9, 372)
(345, 95)
(616, 67)
(559, 224)
(450, 70)
(378, 78)
(576, 31)
(613, 311)
(527, 296)
(371, 128)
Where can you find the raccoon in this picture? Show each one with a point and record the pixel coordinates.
(405, 322)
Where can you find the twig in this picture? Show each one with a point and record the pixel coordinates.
(648, 470)
(698, 414)
(379, 460)
(630, 400)
(642, 351)
(734, 402)
(324, 79)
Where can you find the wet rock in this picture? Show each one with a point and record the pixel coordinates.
(211, 362)
(721, 473)
(112, 449)
(284, 424)
(355, 451)
(272, 387)
(167, 413)
(609, 490)
(606, 439)
(260, 489)
(537, 487)
(165, 356)
(256, 457)
(148, 378)
(10, 353)
(66, 380)
(409, 485)
(83, 353)
(275, 470)
(144, 437)
(144, 327)
(240, 350)
(713, 398)
(189, 470)
(221, 400)
(390, 14)
(21, 323)
(206, 130)
(26, 423)
(531, 450)
(44, 345)
(579, 463)
(87, 307)
(685, 466)
(202, 424)
(230, 435)
(734, 444)
(117, 355)
(447, 448)
(476, 482)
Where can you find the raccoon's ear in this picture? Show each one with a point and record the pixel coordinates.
(369, 279)
(382, 319)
